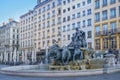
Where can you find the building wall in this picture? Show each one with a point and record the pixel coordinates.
(47, 25)
(27, 37)
(107, 21)
(77, 14)
(9, 42)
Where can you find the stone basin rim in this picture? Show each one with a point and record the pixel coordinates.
(58, 73)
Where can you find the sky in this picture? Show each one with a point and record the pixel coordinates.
(14, 8)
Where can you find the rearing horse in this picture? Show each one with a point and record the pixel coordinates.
(65, 55)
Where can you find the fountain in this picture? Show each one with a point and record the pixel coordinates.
(72, 60)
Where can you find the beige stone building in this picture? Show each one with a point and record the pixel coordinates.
(39, 28)
(107, 24)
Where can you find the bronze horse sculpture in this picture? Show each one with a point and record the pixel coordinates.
(78, 42)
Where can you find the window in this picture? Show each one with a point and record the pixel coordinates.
(68, 37)
(78, 14)
(68, 18)
(64, 10)
(104, 15)
(113, 27)
(68, 1)
(89, 22)
(64, 19)
(104, 3)
(73, 7)
(73, 16)
(105, 29)
(59, 20)
(97, 4)
(48, 23)
(68, 9)
(68, 27)
(112, 12)
(83, 3)
(43, 9)
(73, 26)
(48, 14)
(78, 5)
(53, 4)
(88, 1)
(59, 11)
(97, 30)
(113, 42)
(59, 2)
(89, 12)
(44, 17)
(53, 22)
(119, 10)
(78, 24)
(83, 23)
(13, 36)
(64, 37)
(53, 13)
(43, 25)
(39, 11)
(64, 28)
(89, 44)
(97, 44)
(64, 2)
(89, 33)
(97, 17)
(83, 13)
(105, 43)
(112, 1)
(48, 7)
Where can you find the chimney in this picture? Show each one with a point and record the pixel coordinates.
(10, 19)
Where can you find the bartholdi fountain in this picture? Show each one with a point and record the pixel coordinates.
(72, 60)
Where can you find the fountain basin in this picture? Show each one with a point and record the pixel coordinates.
(24, 71)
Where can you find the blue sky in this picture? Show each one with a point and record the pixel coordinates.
(14, 8)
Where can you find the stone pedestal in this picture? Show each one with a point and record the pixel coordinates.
(83, 67)
(109, 60)
(43, 67)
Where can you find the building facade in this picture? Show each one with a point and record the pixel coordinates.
(39, 28)
(47, 20)
(107, 24)
(27, 47)
(9, 42)
(77, 14)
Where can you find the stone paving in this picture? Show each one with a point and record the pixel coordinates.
(113, 76)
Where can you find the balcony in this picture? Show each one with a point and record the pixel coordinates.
(97, 34)
(104, 33)
(107, 32)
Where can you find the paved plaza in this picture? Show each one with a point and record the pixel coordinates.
(113, 76)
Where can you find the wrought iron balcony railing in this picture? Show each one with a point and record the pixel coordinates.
(107, 32)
